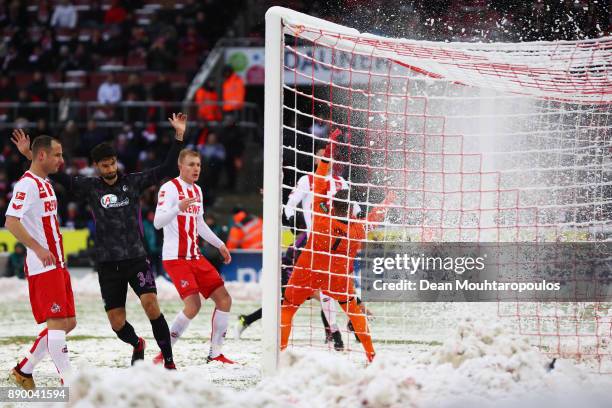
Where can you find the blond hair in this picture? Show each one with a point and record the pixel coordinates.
(187, 153)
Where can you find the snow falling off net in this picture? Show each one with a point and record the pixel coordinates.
(480, 143)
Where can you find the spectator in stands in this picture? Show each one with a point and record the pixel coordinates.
(15, 166)
(71, 140)
(190, 9)
(126, 150)
(12, 61)
(38, 88)
(159, 57)
(139, 41)
(213, 160)
(246, 233)
(65, 60)
(82, 58)
(149, 133)
(131, 111)
(233, 140)
(74, 219)
(202, 25)
(233, 92)
(208, 103)
(4, 185)
(134, 85)
(161, 89)
(109, 91)
(8, 90)
(93, 136)
(192, 43)
(17, 13)
(64, 15)
(116, 14)
(16, 261)
(24, 110)
(65, 110)
(43, 13)
(48, 44)
(37, 59)
(98, 46)
(41, 128)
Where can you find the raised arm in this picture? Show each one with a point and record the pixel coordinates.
(319, 187)
(169, 167)
(22, 140)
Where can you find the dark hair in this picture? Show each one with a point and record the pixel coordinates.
(102, 151)
(42, 142)
(340, 203)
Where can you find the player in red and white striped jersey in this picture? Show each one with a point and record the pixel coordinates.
(32, 219)
(180, 213)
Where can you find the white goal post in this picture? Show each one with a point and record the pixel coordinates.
(272, 207)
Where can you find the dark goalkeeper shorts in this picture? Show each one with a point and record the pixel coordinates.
(114, 278)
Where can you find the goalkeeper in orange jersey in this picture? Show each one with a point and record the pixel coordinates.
(326, 262)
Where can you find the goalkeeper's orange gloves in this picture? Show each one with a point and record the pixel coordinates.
(333, 138)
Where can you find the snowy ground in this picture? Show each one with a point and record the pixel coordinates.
(427, 356)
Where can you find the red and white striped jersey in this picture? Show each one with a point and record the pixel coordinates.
(302, 193)
(35, 204)
(181, 232)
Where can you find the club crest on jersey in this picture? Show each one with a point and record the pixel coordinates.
(124, 188)
(184, 283)
(55, 308)
(111, 201)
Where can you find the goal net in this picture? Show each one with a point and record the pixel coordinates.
(479, 142)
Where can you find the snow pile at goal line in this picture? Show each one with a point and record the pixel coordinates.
(480, 365)
(87, 287)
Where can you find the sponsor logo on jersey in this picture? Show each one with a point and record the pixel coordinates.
(193, 209)
(55, 308)
(111, 201)
(184, 283)
(124, 188)
(20, 195)
(50, 205)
